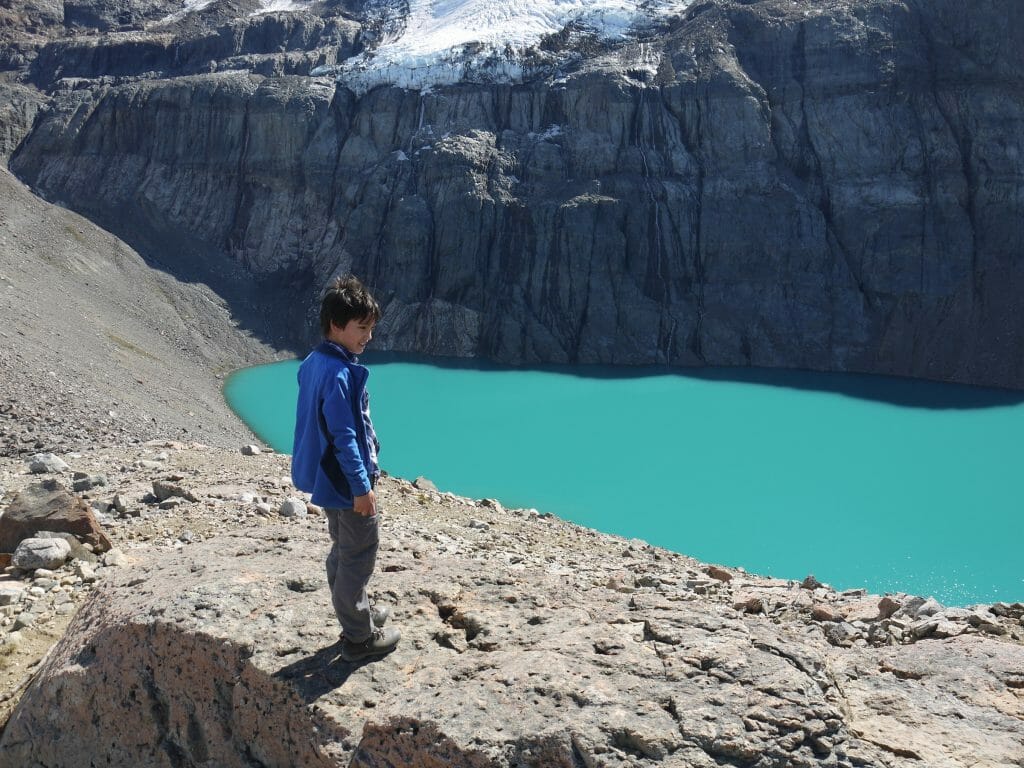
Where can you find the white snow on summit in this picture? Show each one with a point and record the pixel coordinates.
(269, 6)
(431, 47)
(266, 6)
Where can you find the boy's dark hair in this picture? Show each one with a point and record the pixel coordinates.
(346, 299)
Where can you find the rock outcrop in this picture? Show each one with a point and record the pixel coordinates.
(527, 641)
(816, 185)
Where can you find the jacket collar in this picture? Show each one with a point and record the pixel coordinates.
(338, 351)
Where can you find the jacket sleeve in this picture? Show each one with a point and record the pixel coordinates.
(339, 417)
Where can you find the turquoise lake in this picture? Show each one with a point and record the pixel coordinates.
(887, 484)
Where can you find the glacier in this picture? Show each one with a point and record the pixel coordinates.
(440, 42)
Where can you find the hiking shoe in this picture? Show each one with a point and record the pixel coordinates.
(380, 643)
(378, 616)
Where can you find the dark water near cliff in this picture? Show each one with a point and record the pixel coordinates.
(864, 481)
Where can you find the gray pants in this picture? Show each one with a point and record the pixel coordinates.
(350, 564)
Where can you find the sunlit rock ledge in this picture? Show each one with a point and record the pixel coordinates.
(527, 640)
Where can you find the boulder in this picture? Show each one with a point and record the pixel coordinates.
(822, 612)
(47, 463)
(78, 550)
(168, 489)
(48, 506)
(10, 592)
(292, 507)
(718, 573)
(41, 553)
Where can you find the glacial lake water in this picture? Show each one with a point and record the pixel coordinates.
(888, 484)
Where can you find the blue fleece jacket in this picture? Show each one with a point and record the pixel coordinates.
(330, 457)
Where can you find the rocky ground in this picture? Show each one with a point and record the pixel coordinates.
(527, 641)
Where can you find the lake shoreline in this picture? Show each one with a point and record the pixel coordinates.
(758, 453)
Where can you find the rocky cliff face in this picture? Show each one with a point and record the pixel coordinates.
(822, 185)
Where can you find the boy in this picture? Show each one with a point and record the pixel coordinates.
(335, 459)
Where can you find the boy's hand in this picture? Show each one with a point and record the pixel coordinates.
(365, 505)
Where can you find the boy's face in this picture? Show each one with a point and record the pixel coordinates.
(353, 336)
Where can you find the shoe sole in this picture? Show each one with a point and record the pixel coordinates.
(364, 656)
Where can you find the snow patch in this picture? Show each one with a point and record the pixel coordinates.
(439, 42)
(187, 7)
(272, 6)
(549, 133)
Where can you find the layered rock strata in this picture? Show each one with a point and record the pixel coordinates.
(816, 185)
(527, 641)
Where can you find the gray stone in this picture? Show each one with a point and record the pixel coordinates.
(13, 639)
(41, 553)
(79, 551)
(86, 572)
(424, 484)
(293, 507)
(114, 558)
(251, 450)
(167, 489)
(910, 606)
(47, 463)
(929, 607)
(1010, 610)
(10, 593)
(88, 482)
(924, 627)
(842, 633)
(985, 621)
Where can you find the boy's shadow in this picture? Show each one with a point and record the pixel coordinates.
(324, 671)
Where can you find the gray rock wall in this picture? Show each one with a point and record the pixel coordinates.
(829, 185)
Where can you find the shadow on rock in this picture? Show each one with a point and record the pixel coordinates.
(313, 676)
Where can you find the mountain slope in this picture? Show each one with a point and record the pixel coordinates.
(97, 347)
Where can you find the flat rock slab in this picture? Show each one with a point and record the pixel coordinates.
(210, 656)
